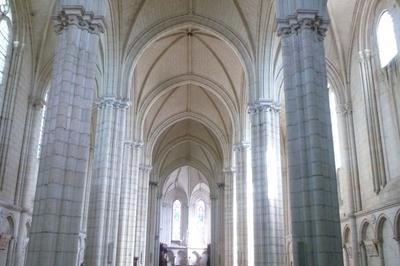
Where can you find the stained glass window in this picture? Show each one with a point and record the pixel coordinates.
(176, 220)
(5, 36)
(386, 39)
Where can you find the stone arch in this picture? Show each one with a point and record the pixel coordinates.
(203, 82)
(223, 142)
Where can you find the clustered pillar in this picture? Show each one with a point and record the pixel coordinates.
(311, 169)
(59, 196)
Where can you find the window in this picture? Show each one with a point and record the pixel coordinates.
(200, 213)
(386, 39)
(176, 220)
(5, 37)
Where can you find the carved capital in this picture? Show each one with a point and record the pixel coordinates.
(241, 146)
(264, 106)
(134, 144)
(77, 16)
(37, 102)
(344, 109)
(303, 20)
(145, 168)
(365, 55)
(110, 101)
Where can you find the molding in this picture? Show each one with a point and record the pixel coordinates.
(111, 101)
(264, 106)
(303, 19)
(79, 17)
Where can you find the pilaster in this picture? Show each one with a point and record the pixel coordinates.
(312, 176)
(57, 214)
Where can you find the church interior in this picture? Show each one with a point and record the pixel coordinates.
(199, 132)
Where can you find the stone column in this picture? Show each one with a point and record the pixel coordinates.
(104, 208)
(214, 230)
(151, 257)
(373, 122)
(350, 172)
(269, 235)
(311, 164)
(141, 215)
(63, 164)
(228, 215)
(28, 186)
(241, 151)
(128, 206)
(221, 223)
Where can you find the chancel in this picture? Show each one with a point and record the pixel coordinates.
(199, 133)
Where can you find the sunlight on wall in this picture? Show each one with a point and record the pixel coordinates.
(335, 129)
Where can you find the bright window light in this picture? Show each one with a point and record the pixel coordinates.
(176, 220)
(386, 39)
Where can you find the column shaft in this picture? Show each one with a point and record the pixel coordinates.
(350, 173)
(221, 224)
(129, 197)
(269, 235)
(373, 122)
(105, 192)
(63, 165)
(141, 216)
(28, 186)
(312, 175)
(151, 257)
(228, 224)
(241, 204)
(214, 231)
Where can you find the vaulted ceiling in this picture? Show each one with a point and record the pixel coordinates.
(189, 85)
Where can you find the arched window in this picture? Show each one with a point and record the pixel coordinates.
(386, 37)
(200, 213)
(5, 37)
(176, 220)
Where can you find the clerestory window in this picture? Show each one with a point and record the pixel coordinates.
(386, 37)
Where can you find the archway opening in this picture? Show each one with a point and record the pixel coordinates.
(185, 224)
